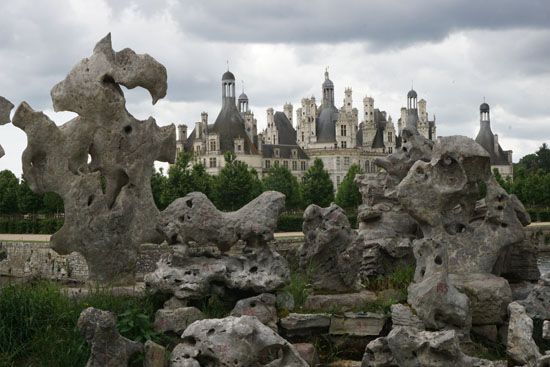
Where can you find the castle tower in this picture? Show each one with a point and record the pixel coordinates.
(328, 91)
(182, 133)
(287, 110)
(228, 88)
(412, 111)
(243, 102)
(348, 100)
(368, 106)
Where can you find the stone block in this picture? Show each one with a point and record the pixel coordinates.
(155, 355)
(338, 302)
(296, 324)
(357, 324)
(176, 320)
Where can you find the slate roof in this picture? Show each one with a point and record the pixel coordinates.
(287, 134)
(228, 125)
(486, 139)
(285, 151)
(325, 124)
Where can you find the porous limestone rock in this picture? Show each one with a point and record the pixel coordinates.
(308, 353)
(176, 320)
(546, 329)
(108, 347)
(432, 295)
(194, 272)
(194, 218)
(385, 233)
(520, 346)
(489, 296)
(410, 347)
(100, 162)
(5, 108)
(261, 306)
(537, 303)
(193, 277)
(327, 233)
(234, 341)
(402, 315)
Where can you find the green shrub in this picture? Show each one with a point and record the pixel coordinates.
(399, 279)
(33, 225)
(38, 323)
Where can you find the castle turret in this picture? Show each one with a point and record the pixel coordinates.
(348, 100)
(182, 133)
(287, 110)
(328, 91)
(228, 88)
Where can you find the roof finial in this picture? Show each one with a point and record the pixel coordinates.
(412, 84)
(227, 62)
(326, 72)
(242, 83)
(483, 99)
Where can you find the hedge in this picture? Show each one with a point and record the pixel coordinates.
(32, 225)
(539, 215)
(292, 222)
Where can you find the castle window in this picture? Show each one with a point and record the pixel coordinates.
(212, 145)
(276, 152)
(337, 181)
(268, 164)
(302, 136)
(373, 167)
(303, 165)
(343, 130)
(213, 162)
(294, 153)
(276, 163)
(390, 150)
(390, 137)
(285, 164)
(346, 161)
(337, 162)
(343, 144)
(367, 166)
(294, 165)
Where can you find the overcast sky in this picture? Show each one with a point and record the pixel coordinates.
(455, 51)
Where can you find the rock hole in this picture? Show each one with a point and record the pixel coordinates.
(189, 203)
(127, 129)
(503, 225)
(189, 340)
(174, 238)
(210, 332)
(182, 218)
(252, 304)
(90, 200)
(422, 272)
(254, 269)
(438, 260)
(500, 207)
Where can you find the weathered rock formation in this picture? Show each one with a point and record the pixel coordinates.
(327, 234)
(5, 108)
(108, 347)
(100, 162)
(193, 273)
(234, 341)
(262, 306)
(520, 346)
(467, 225)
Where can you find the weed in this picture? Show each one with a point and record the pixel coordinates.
(399, 279)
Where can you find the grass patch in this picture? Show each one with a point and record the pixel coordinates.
(38, 323)
(486, 349)
(215, 307)
(399, 279)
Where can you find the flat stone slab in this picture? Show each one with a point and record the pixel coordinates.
(305, 324)
(338, 302)
(357, 324)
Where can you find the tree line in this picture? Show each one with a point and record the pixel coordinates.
(234, 186)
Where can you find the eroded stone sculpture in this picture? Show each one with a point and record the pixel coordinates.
(234, 341)
(100, 162)
(196, 271)
(5, 108)
(108, 347)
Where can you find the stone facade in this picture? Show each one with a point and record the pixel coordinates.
(339, 137)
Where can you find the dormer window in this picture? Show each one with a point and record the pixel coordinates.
(294, 153)
(277, 152)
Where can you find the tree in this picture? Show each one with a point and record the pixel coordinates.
(9, 187)
(348, 195)
(317, 186)
(158, 186)
(201, 180)
(280, 179)
(52, 203)
(235, 185)
(28, 201)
